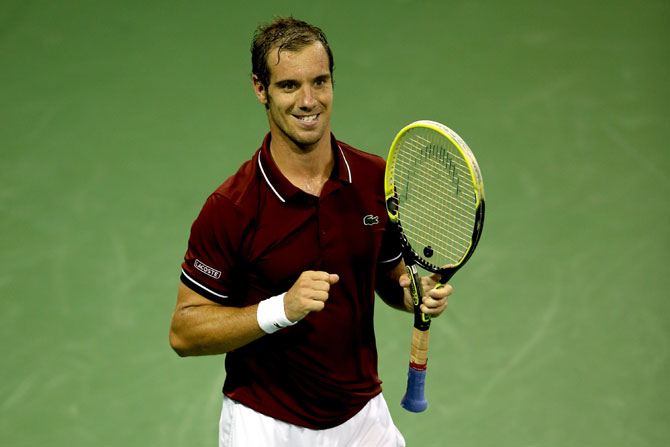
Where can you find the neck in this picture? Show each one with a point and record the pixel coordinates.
(307, 168)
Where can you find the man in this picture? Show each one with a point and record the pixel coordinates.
(283, 262)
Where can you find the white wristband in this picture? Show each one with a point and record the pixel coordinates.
(271, 316)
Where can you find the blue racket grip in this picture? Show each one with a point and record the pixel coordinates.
(414, 399)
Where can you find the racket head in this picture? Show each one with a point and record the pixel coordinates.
(435, 194)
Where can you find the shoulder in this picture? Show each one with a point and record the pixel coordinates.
(363, 165)
(232, 201)
(240, 185)
(358, 156)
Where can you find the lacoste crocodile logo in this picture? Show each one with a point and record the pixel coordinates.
(370, 220)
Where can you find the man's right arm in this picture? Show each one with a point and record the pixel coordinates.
(202, 327)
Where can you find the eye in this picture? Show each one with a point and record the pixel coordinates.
(288, 86)
(321, 81)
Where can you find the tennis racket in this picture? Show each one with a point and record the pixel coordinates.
(435, 195)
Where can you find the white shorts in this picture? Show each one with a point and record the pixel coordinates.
(240, 426)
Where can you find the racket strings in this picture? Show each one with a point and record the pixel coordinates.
(436, 197)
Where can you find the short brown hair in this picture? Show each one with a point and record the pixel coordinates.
(284, 33)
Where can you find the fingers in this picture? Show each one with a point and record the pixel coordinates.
(308, 294)
(441, 292)
(434, 278)
(403, 280)
(435, 300)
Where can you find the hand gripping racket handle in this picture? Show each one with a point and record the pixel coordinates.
(414, 399)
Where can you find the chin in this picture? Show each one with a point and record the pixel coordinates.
(308, 140)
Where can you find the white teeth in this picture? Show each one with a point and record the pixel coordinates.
(307, 118)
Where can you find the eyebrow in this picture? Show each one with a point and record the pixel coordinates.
(322, 77)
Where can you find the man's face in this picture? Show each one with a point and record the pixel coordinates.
(299, 96)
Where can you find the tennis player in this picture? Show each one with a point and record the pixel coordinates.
(283, 262)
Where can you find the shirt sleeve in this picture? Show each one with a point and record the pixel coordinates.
(211, 258)
(390, 252)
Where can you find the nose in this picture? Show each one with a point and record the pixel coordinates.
(306, 99)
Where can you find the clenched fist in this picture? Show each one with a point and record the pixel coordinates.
(308, 294)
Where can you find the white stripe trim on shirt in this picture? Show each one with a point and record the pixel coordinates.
(260, 165)
(345, 162)
(390, 260)
(267, 180)
(201, 286)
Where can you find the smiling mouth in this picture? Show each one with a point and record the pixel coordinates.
(308, 118)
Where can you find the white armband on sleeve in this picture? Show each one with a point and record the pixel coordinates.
(271, 316)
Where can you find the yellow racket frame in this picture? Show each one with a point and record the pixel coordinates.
(457, 141)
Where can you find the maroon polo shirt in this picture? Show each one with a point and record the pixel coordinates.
(254, 236)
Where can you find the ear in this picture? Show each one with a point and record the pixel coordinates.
(260, 90)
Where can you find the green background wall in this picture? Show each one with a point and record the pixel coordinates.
(117, 119)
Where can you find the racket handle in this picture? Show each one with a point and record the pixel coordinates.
(414, 399)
